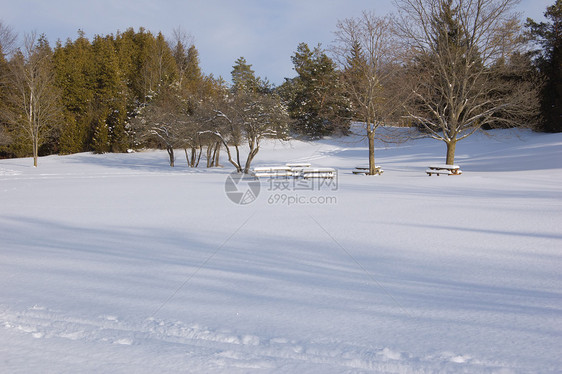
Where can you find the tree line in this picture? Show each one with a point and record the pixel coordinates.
(448, 67)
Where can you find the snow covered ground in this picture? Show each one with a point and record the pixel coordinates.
(119, 264)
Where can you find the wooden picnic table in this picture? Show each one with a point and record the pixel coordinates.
(319, 173)
(365, 170)
(444, 169)
(294, 170)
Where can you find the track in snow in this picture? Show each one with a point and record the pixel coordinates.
(225, 350)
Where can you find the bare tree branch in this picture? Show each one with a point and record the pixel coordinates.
(365, 49)
(460, 58)
(34, 105)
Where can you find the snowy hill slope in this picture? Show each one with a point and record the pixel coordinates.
(118, 263)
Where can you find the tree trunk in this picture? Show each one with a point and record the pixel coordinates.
(171, 155)
(371, 136)
(210, 159)
(238, 158)
(35, 152)
(193, 157)
(236, 165)
(33, 128)
(251, 155)
(217, 154)
(199, 153)
(451, 145)
(190, 157)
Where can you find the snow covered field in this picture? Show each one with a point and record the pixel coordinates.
(119, 264)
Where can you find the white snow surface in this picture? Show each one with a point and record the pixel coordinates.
(118, 263)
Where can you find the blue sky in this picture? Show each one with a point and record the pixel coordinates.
(265, 32)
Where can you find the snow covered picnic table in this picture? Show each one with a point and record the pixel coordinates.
(294, 170)
(319, 173)
(273, 171)
(298, 168)
(365, 170)
(444, 169)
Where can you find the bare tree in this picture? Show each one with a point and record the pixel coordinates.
(181, 44)
(179, 119)
(366, 50)
(194, 138)
(199, 134)
(165, 121)
(266, 117)
(453, 87)
(247, 117)
(34, 103)
(7, 40)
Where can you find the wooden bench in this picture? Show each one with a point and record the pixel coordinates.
(365, 170)
(444, 169)
(319, 173)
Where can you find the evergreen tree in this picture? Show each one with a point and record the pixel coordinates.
(316, 99)
(74, 77)
(134, 50)
(5, 138)
(354, 73)
(244, 78)
(73, 136)
(549, 36)
(100, 139)
(110, 100)
(181, 58)
(186, 59)
(103, 84)
(193, 71)
(128, 51)
(161, 66)
(120, 138)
